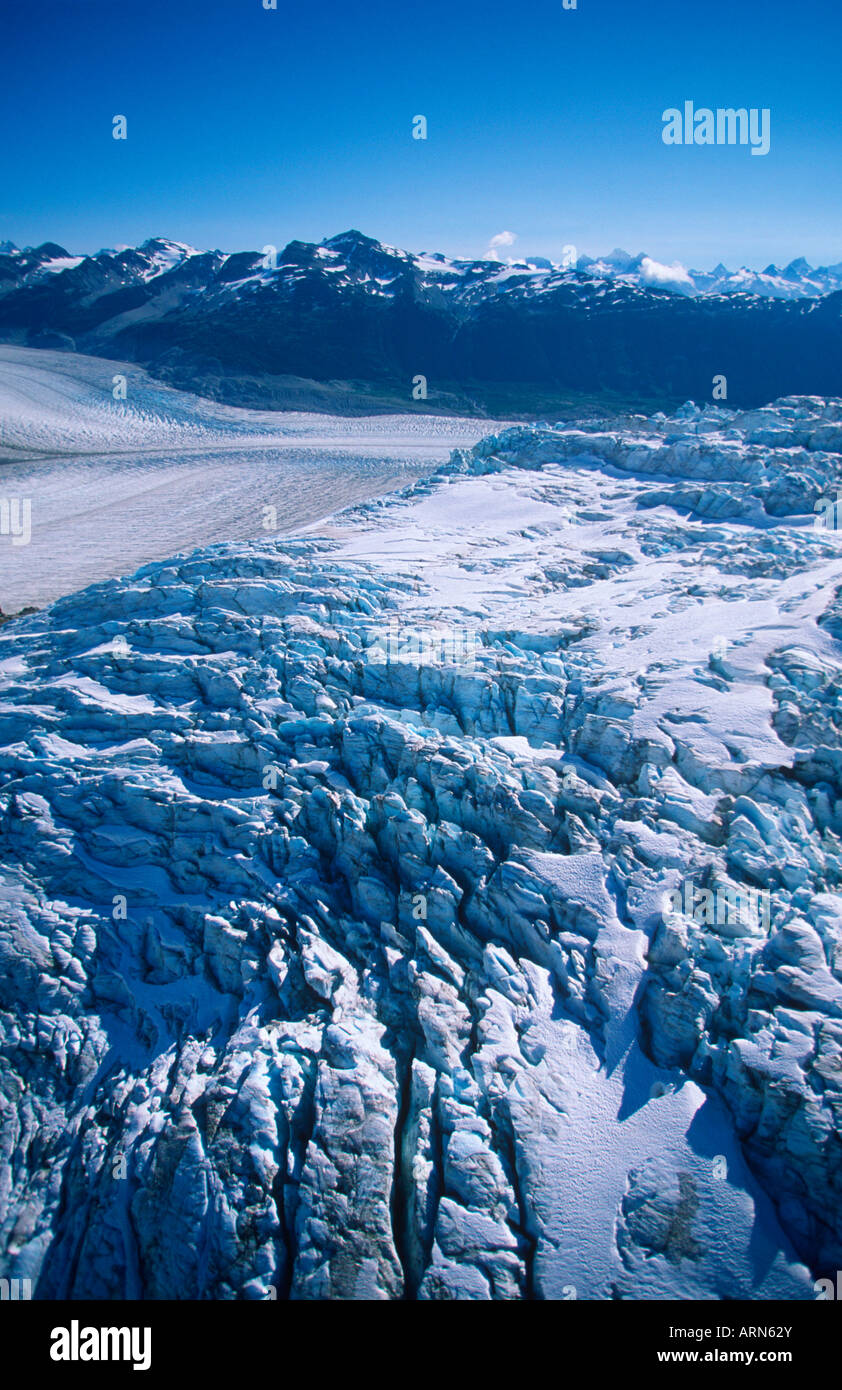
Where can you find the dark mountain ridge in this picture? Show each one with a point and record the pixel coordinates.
(356, 322)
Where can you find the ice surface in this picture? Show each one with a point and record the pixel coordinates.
(340, 978)
(113, 484)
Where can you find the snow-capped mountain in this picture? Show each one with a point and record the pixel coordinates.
(353, 310)
(361, 901)
(350, 253)
(798, 280)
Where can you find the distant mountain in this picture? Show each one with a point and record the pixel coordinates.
(515, 335)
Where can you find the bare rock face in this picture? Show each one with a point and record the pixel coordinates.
(332, 970)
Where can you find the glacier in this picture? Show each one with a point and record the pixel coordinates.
(112, 484)
(329, 975)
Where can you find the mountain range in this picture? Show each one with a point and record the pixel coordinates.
(353, 324)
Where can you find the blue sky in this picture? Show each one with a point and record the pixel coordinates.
(249, 127)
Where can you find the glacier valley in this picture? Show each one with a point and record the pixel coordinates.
(111, 483)
(332, 969)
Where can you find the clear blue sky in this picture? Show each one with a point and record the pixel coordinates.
(248, 127)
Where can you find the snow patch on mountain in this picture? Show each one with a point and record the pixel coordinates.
(344, 254)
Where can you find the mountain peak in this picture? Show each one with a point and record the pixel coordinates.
(798, 267)
(157, 242)
(352, 238)
(620, 258)
(50, 251)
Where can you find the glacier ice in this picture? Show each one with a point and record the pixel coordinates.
(331, 977)
(111, 484)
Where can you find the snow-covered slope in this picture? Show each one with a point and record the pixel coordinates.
(338, 952)
(112, 484)
(63, 403)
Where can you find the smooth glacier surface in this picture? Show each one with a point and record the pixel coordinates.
(113, 484)
(339, 956)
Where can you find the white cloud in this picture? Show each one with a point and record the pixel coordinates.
(498, 241)
(675, 275)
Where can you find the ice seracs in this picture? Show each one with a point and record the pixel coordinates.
(332, 978)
